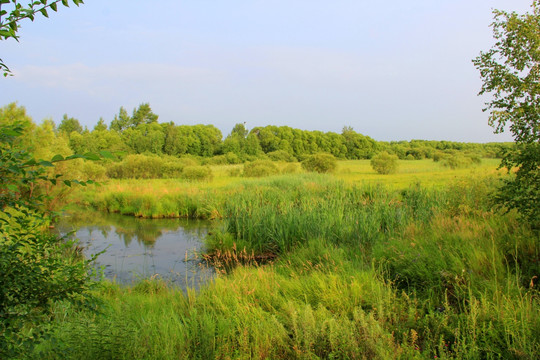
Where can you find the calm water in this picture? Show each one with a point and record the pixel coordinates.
(141, 248)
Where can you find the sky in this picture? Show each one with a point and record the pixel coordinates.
(393, 70)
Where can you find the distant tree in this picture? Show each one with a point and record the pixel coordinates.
(239, 130)
(9, 25)
(384, 163)
(121, 121)
(100, 126)
(69, 124)
(510, 71)
(143, 115)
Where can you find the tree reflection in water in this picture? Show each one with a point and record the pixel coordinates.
(138, 248)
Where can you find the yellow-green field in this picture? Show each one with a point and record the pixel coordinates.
(424, 172)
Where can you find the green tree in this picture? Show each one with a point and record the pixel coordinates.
(121, 121)
(69, 124)
(9, 25)
(510, 71)
(143, 115)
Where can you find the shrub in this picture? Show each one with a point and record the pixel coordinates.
(197, 173)
(291, 168)
(321, 163)
(137, 167)
(216, 160)
(281, 155)
(234, 172)
(456, 161)
(384, 163)
(232, 158)
(91, 170)
(260, 168)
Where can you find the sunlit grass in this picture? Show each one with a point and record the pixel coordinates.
(425, 172)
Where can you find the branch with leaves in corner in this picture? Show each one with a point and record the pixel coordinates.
(16, 12)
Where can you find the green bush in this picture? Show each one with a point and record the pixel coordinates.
(197, 173)
(260, 168)
(321, 163)
(137, 167)
(384, 163)
(281, 155)
(456, 161)
(172, 169)
(91, 170)
(232, 158)
(290, 168)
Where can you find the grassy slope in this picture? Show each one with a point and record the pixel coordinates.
(362, 272)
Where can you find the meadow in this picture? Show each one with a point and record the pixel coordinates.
(415, 265)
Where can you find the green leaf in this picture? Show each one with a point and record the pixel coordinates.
(91, 156)
(46, 163)
(53, 6)
(44, 12)
(57, 157)
(106, 154)
(13, 188)
(67, 182)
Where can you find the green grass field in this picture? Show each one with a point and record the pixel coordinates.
(354, 265)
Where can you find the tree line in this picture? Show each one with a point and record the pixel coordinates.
(141, 133)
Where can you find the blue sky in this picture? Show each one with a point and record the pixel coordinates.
(393, 70)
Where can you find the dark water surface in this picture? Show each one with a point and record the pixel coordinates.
(141, 248)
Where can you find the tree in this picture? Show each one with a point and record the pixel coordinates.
(68, 125)
(18, 12)
(510, 72)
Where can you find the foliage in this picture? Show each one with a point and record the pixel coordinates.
(281, 155)
(197, 173)
(384, 163)
(260, 168)
(510, 72)
(36, 268)
(137, 167)
(321, 163)
(10, 25)
(68, 125)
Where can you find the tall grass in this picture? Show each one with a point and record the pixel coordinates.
(362, 272)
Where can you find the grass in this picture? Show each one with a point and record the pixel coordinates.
(426, 172)
(359, 271)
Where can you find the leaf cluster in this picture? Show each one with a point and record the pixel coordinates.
(10, 19)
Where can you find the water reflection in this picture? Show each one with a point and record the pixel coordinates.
(139, 248)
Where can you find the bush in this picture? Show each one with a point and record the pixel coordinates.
(384, 163)
(234, 172)
(216, 160)
(291, 168)
(172, 169)
(321, 163)
(260, 168)
(91, 170)
(281, 155)
(456, 161)
(137, 167)
(197, 173)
